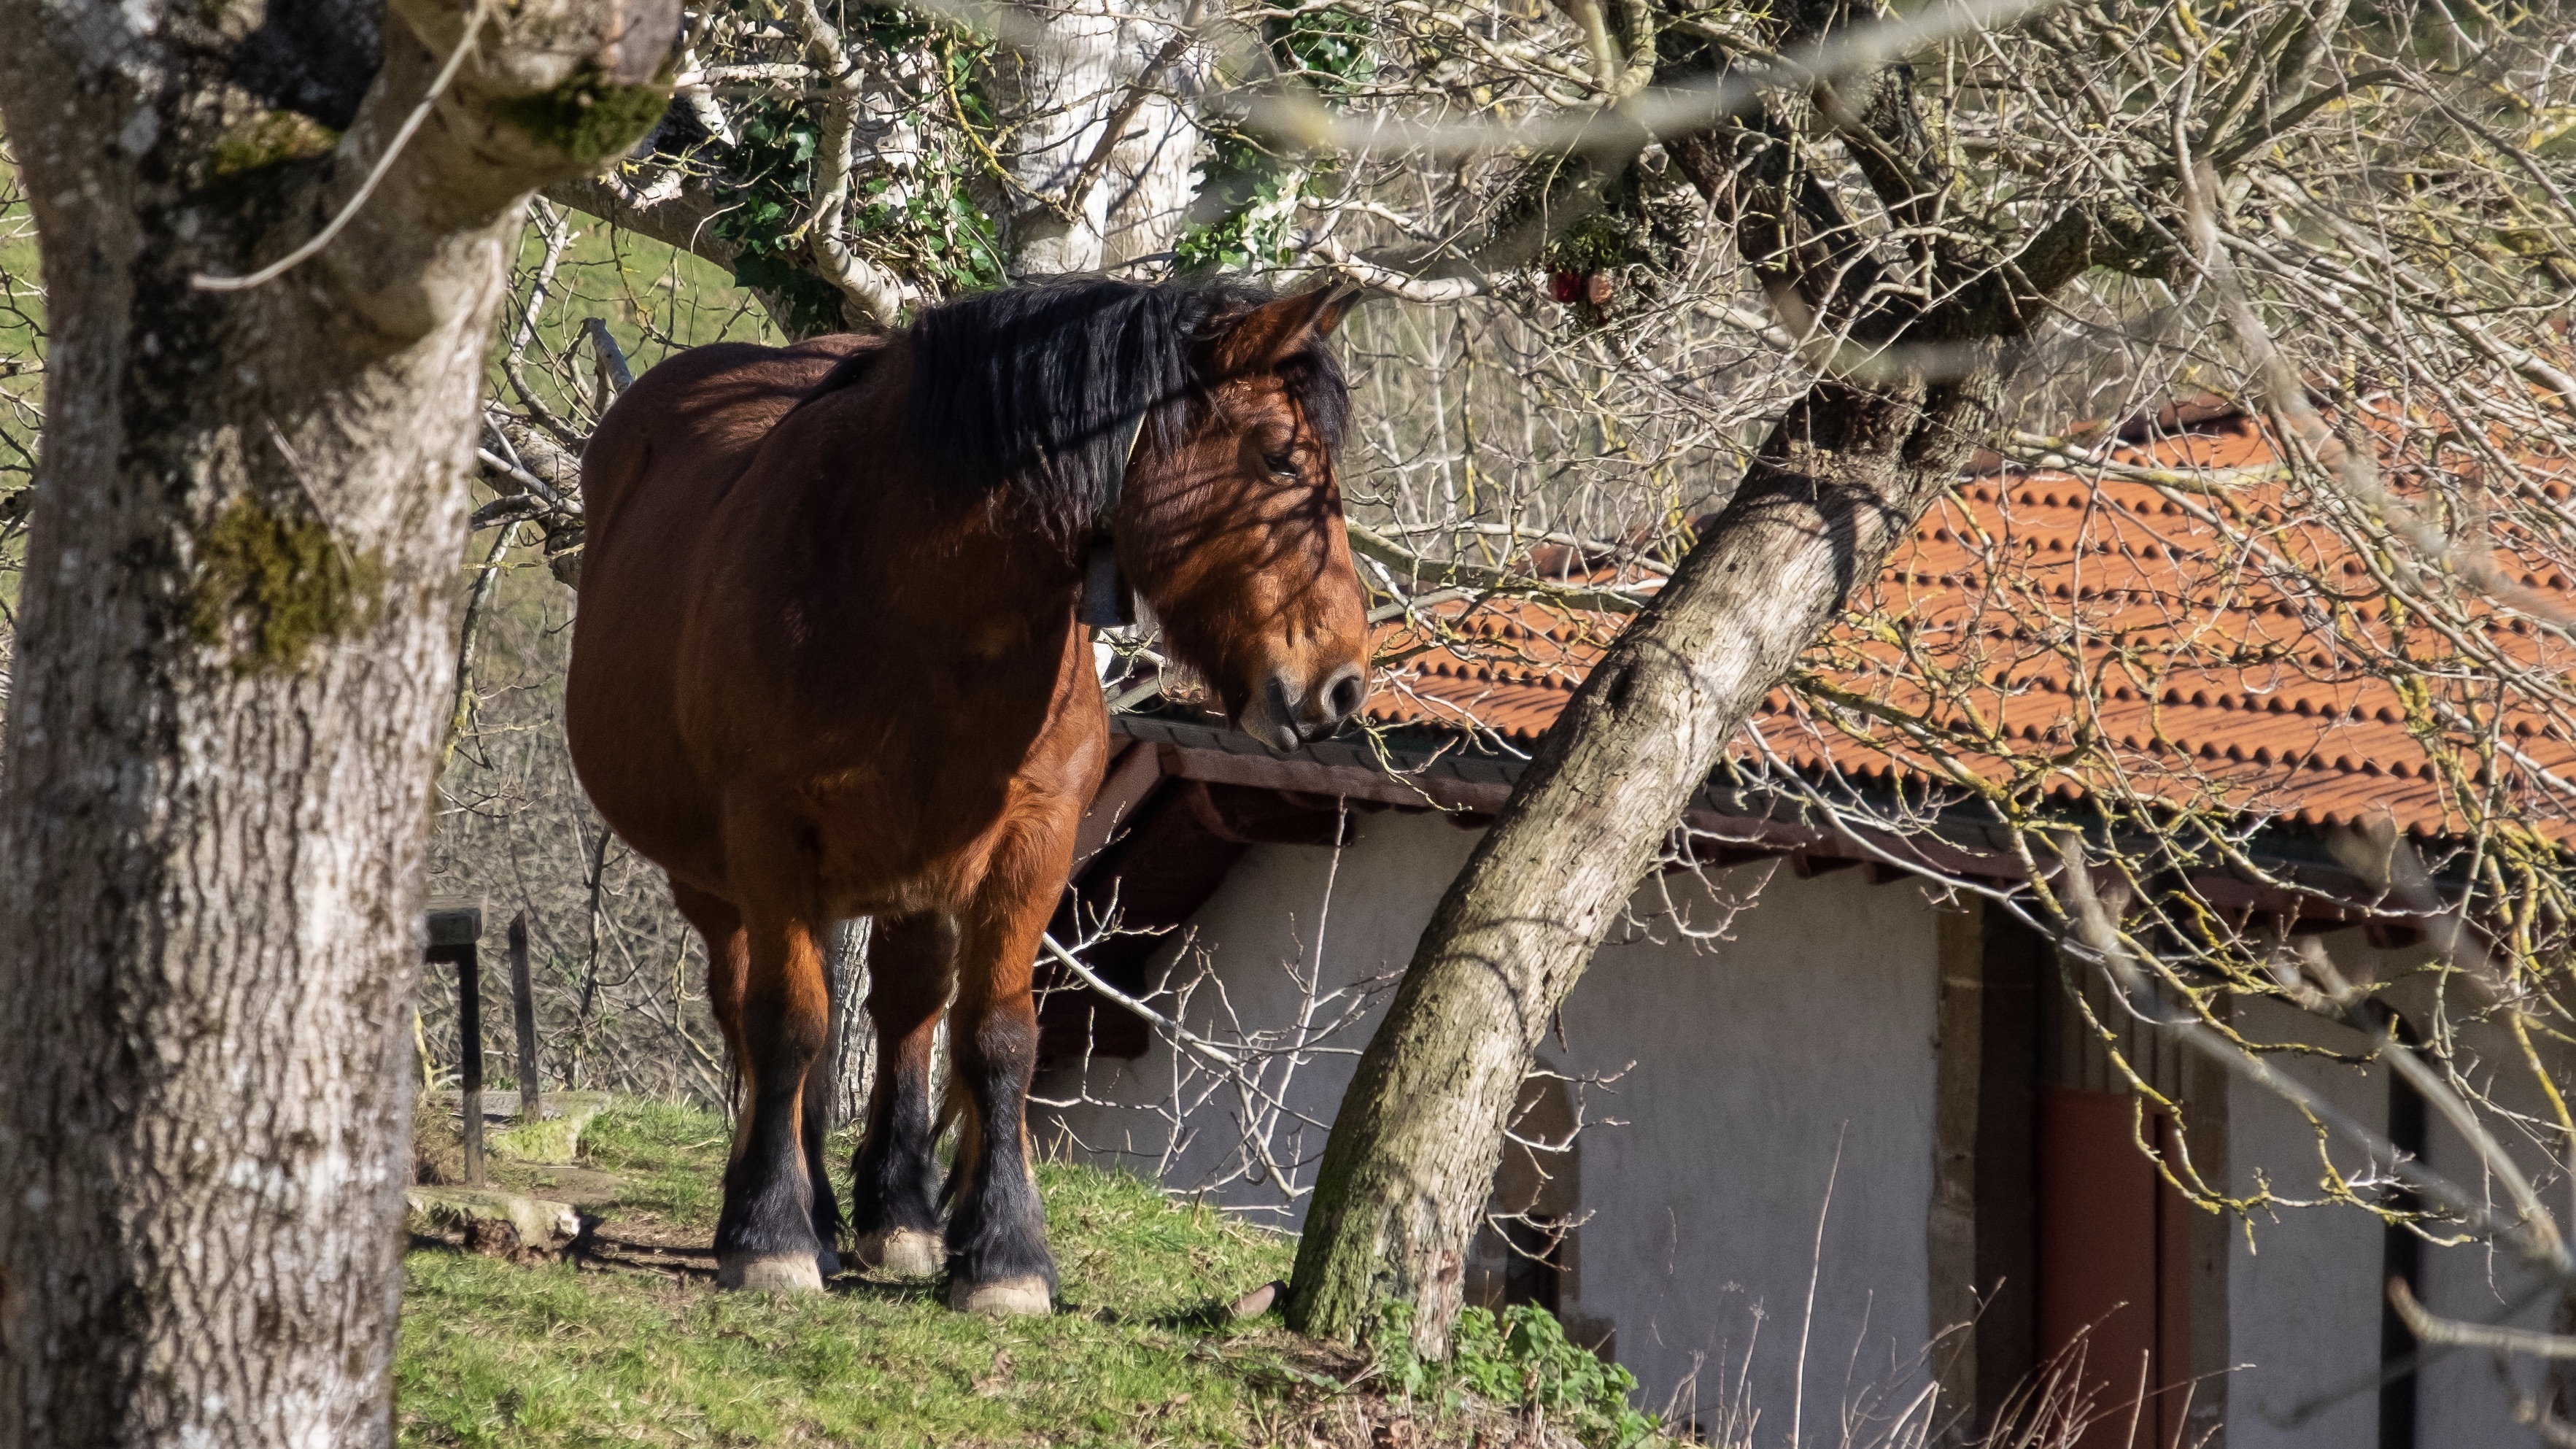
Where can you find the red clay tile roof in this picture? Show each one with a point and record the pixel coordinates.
(2225, 638)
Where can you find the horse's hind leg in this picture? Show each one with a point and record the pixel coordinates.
(997, 1236)
(894, 1211)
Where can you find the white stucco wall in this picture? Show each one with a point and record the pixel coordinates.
(1753, 1058)
(2458, 1398)
(1276, 907)
(1756, 1058)
(2303, 1297)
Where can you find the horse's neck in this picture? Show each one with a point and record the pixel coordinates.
(936, 576)
(967, 580)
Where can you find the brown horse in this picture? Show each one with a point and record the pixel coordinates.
(828, 664)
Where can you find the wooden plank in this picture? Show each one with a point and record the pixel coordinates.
(2173, 1298)
(1950, 1236)
(1218, 767)
(2098, 1272)
(1131, 777)
(523, 1004)
(2017, 975)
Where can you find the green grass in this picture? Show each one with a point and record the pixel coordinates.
(670, 1159)
(495, 1353)
(1141, 1349)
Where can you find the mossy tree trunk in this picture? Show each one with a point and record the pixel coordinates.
(234, 656)
(1843, 475)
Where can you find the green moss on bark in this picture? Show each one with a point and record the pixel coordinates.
(589, 117)
(279, 585)
(269, 139)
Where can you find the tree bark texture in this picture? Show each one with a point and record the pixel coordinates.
(235, 654)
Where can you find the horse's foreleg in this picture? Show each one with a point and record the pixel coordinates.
(766, 1237)
(894, 1210)
(997, 1236)
(728, 968)
(728, 984)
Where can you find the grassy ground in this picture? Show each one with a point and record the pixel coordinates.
(1140, 1351)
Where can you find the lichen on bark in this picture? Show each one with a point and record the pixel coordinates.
(274, 586)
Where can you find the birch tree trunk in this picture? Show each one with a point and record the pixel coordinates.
(235, 654)
(1073, 185)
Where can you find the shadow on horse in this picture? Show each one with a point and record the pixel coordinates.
(831, 661)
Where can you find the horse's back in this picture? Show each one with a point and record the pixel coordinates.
(658, 465)
(693, 422)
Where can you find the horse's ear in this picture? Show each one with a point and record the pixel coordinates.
(1276, 331)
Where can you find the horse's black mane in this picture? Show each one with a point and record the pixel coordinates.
(1035, 388)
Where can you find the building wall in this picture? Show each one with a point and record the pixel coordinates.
(2304, 1294)
(1796, 1057)
(2459, 1400)
(1749, 1063)
(1753, 1058)
(1282, 910)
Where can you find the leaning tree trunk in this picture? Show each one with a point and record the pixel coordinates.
(1413, 1151)
(1843, 475)
(234, 657)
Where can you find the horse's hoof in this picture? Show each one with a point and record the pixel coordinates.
(1009, 1298)
(827, 1263)
(770, 1272)
(903, 1253)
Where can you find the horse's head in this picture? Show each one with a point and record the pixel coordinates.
(1232, 530)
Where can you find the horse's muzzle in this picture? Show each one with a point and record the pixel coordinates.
(1286, 716)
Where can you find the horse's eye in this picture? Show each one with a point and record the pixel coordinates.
(1283, 465)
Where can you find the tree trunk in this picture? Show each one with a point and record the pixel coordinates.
(1842, 477)
(1414, 1148)
(1055, 92)
(234, 658)
(1073, 185)
(854, 1038)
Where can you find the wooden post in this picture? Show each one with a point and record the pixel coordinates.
(523, 1004)
(453, 934)
(469, 1034)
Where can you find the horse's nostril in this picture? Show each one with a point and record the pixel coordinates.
(1346, 695)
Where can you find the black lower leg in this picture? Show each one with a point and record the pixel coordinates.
(818, 1120)
(999, 1230)
(769, 1198)
(893, 1171)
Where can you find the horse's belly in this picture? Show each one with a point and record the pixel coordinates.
(621, 721)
